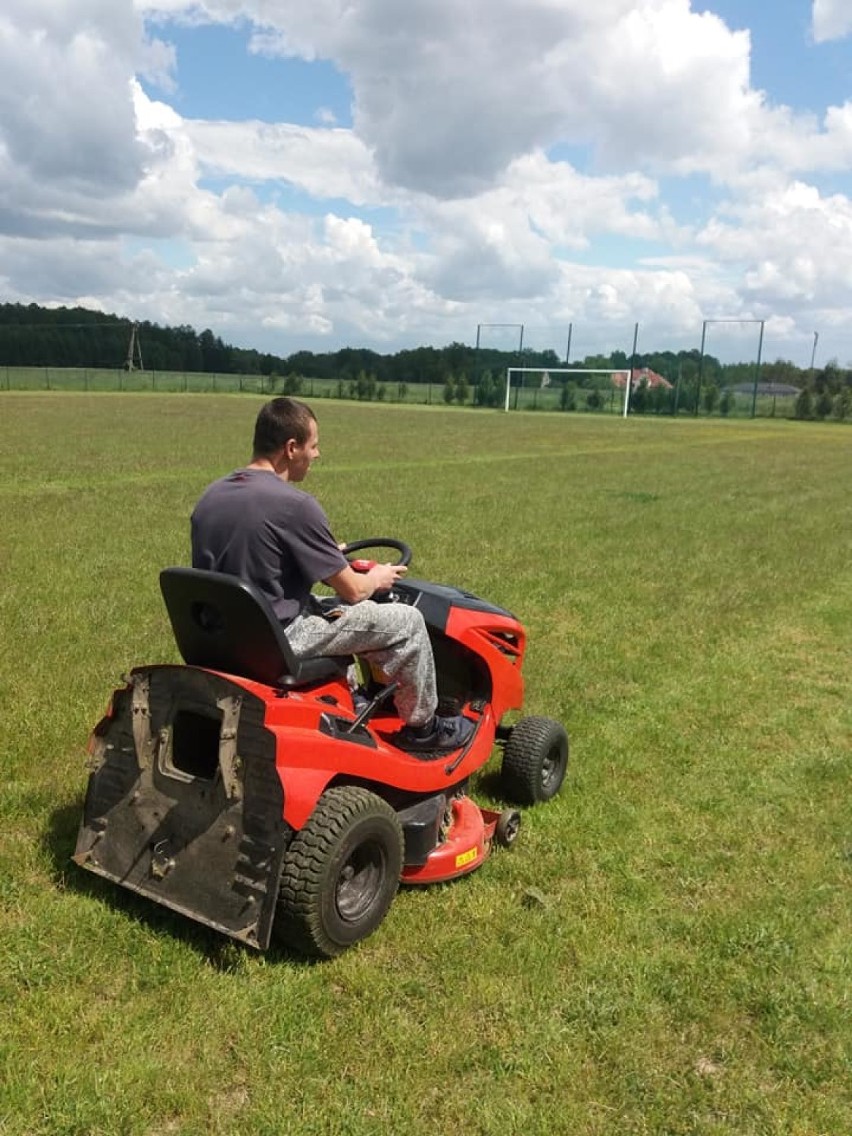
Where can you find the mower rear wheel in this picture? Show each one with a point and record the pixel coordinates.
(340, 873)
(534, 761)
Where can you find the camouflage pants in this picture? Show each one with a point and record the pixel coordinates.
(392, 637)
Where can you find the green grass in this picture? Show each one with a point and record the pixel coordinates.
(664, 950)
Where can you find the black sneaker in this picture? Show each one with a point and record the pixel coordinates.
(442, 736)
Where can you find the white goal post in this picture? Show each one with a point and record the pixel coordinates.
(562, 371)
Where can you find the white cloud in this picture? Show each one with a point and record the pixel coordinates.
(832, 19)
(448, 95)
(795, 247)
(323, 162)
(66, 112)
(495, 145)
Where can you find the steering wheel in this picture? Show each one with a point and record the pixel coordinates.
(361, 565)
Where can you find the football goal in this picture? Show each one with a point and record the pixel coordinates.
(540, 380)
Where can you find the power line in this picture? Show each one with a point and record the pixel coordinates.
(51, 324)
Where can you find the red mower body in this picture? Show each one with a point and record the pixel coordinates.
(254, 799)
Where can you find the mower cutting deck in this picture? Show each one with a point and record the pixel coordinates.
(246, 791)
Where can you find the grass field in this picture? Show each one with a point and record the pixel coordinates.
(666, 949)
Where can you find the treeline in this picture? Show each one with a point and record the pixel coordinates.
(33, 336)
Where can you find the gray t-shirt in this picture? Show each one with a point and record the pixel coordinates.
(253, 525)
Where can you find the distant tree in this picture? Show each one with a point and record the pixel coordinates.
(462, 389)
(484, 392)
(365, 385)
(403, 391)
(687, 395)
(804, 406)
(449, 389)
(659, 399)
(823, 404)
(215, 356)
(781, 371)
(829, 379)
(711, 397)
(639, 398)
(292, 383)
(498, 398)
(568, 397)
(842, 404)
(726, 402)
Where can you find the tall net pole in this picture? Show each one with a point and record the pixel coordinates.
(628, 386)
(704, 326)
(519, 327)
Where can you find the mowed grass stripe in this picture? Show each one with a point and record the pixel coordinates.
(537, 437)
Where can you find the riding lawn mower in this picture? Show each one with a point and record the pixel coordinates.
(255, 793)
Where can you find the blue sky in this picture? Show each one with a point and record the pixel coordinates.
(366, 173)
(218, 76)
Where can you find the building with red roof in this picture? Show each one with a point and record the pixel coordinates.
(641, 375)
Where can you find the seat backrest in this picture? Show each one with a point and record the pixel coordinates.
(227, 624)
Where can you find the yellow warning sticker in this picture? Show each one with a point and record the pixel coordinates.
(466, 857)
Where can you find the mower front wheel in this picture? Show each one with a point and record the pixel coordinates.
(507, 827)
(534, 761)
(340, 873)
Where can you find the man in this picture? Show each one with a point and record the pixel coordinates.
(256, 524)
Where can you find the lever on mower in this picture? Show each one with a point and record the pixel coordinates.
(370, 709)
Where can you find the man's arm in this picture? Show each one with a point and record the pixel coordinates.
(352, 586)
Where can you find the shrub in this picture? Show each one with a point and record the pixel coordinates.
(594, 400)
(823, 405)
(804, 407)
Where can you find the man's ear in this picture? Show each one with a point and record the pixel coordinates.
(281, 457)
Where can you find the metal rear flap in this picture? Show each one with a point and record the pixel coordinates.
(184, 804)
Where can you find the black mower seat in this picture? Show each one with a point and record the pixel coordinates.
(227, 624)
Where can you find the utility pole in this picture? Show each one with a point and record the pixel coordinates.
(133, 362)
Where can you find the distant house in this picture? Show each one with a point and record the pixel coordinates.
(640, 375)
(775, 389)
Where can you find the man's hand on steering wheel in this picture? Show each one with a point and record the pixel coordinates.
(386, 575)
(373, 577)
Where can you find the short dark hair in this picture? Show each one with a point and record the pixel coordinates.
(278, 422)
